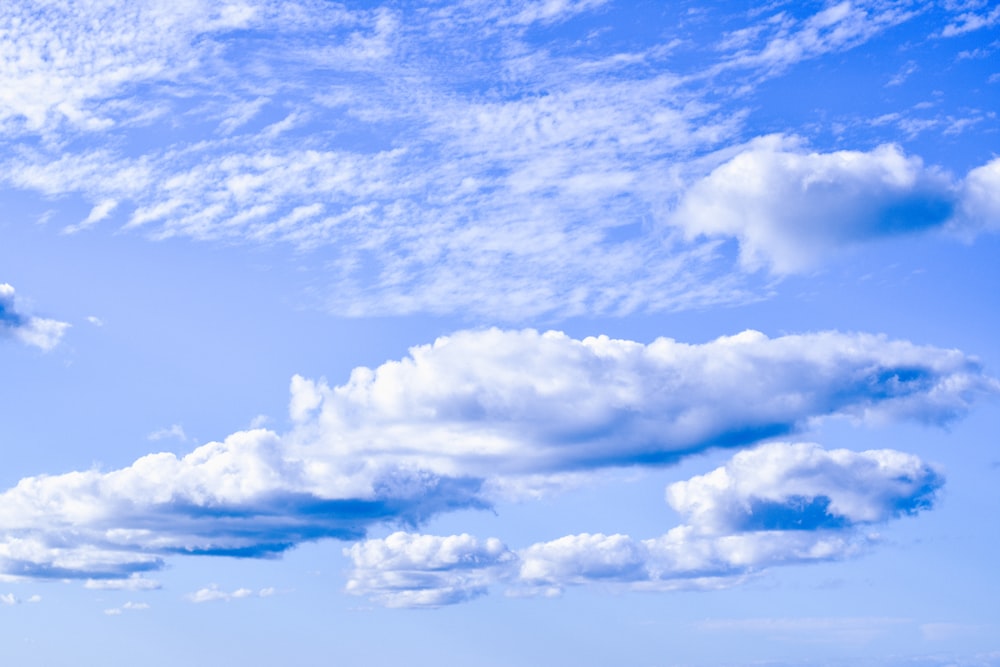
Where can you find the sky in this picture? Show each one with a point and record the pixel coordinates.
(513, 332)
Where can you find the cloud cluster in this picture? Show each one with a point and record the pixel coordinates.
(36, 331)
(522, 181)
(456, 423)
(776, 504)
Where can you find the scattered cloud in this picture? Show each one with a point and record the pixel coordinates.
(971, 21)
(175, 432)
(128, 606)
(458, 423)
(10, 599)
(39, 332)
(787, 40)
(773, 505)
(407, 570)
(554, 194)
(213, 593)
(135, 582)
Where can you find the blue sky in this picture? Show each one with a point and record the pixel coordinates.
(511, 332)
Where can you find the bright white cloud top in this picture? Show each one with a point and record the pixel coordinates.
(457, 422)
(462, 227)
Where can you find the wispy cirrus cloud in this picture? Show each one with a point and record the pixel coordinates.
(459, 423)
(525, 182)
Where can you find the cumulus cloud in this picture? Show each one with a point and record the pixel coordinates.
(465, 405)
(788, 206)
(36, 331)
(456, 423)
(980, 201)
(776, 504)
(803, 487)
(409, 570)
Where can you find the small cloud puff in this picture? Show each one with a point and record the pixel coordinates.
(213, 593)
(39, 332)
(176, 432)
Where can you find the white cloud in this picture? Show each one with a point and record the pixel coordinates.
(791, 487)
(559, 199)
(407, 570)
(128, 606)
(773, 505)
(36, 331)
(134, 582)
(66, 63)
(99, 212)
(787, 41)
(213, 593)
(788, 207)
(970, 21)
(175, 432)
(464, 405)
(475, 413)
(980, 201)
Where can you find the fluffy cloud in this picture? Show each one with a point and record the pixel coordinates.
(802, 487)
(788, 206)
(457, 422)
(408, 570)
(37, 331)
(466, 405)
(980, 202)
(776, 504)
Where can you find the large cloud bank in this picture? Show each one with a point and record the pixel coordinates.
(471, 416)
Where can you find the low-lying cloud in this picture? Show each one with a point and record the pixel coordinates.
(458, 423)
(777, 504)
